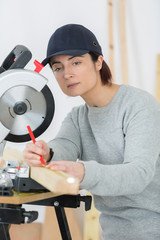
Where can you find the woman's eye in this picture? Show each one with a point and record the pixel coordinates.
(56, 69)
(76, 63)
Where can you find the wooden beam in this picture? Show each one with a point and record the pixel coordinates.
(91, 226)
(26, 231)
(12, 154)
(123, 42)
(110, 36)
(158, 78)
(57, 182)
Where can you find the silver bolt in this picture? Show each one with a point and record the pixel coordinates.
(56, 203)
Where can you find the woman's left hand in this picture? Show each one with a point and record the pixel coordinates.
(75, 169)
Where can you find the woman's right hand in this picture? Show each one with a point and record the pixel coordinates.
(33, 150)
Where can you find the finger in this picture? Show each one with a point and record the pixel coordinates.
(41, 144)
(34, 148)
(31, 156)
(57, 166)
(33, 163)
(56, 163)
(45, 149)
(39, 149)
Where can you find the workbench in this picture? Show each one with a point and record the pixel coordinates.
(11, 211)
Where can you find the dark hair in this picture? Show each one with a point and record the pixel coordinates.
(105, 72)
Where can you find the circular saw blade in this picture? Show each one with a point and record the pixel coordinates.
(23, 105)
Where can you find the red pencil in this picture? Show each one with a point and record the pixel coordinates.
(34, 140)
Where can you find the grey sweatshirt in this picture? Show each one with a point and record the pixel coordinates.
(119, 145)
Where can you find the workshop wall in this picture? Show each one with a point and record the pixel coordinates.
(32, 22)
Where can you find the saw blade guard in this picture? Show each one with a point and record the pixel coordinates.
(25, 99)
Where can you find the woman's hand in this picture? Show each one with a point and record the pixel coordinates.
(33, 150)
(75, 169)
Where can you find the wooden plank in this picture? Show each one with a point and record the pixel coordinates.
(123, 42)
(91, 225)
(158, 78)
(2, 163)
(31, 231)
(110, 36)
(20, 198)
(50, 230)
(12, 154)
(57, 182)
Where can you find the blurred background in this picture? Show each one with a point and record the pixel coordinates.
(128, 32)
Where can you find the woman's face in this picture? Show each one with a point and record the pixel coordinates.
(76, 75)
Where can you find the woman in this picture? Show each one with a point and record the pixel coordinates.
(111, 143)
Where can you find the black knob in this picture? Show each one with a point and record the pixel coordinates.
(20, 108)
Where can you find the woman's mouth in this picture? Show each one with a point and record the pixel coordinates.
(72, 85)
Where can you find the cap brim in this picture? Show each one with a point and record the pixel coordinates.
(71, 52)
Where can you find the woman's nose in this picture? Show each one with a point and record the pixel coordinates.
(68, 72)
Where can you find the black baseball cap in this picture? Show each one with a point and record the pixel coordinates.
(72, 39)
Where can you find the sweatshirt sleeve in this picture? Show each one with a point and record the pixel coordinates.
(142, 148)
(67, 144)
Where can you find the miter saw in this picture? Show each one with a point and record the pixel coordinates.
(25, 99)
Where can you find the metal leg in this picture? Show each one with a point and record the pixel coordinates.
(59, 202)
(4, 231)
(63, 224)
